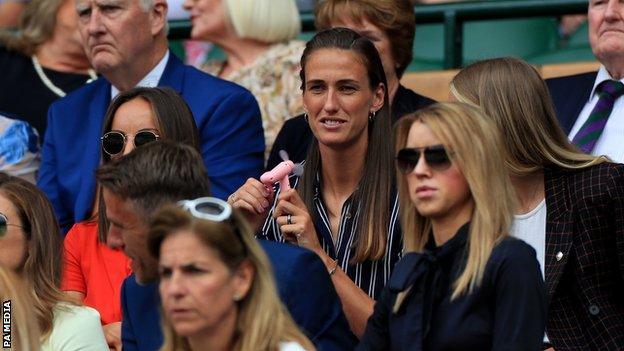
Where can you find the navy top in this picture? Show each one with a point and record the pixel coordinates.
(506, 312)
(370, 276)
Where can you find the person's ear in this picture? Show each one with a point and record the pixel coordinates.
(243, 279)
(378, 97)
(158, 15)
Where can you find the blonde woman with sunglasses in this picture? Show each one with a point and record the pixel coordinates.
(30, 245)
(463, 283)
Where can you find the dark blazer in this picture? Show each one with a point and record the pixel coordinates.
(295, 135)
(585, 257)
(569, 95)
(303, 285)
(227, 117)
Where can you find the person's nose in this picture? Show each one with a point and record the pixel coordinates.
(94, 24)
(129, 145)
(175, 285)
(331, 101)
(422, 168)
(187, 5)
(114, 239)
(613, 12)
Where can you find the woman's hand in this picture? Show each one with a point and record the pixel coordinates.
(295, 222)
(254, 199)
(112, 333)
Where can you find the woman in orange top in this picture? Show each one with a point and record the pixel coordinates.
(93, 272)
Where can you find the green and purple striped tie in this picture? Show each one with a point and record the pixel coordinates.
(588, 135)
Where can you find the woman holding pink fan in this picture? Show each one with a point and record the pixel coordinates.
(343, 206)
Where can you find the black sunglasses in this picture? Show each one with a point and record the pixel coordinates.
(114, 142)
(4, 224)
(435, 156)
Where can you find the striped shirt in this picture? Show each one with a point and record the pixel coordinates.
(370, 276)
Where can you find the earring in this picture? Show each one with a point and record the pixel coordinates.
(237, 297)
(371, 116)
(305, 116)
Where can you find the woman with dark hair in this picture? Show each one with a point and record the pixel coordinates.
(570, 204)
(390, 25)
(344, 207)
(30, 244)
(134, 118)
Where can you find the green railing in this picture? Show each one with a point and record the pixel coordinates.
(453, 15)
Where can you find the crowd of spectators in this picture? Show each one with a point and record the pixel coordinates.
(135, 215)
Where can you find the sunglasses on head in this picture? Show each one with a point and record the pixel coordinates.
(212, 209)
(114, 142)
(4, 224)
(436, 157)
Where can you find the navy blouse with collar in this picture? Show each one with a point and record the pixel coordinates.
(506, 312)
(370, 276)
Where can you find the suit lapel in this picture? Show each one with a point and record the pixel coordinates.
(559, 227)
(579, 95)
(173, 76)
(96, 111)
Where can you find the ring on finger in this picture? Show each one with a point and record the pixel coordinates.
(289, 219)
(232, 197)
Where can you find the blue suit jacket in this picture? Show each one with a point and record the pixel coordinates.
(227, 116)
(570, 94)
(304, 287)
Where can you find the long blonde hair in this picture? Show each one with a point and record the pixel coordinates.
(263, 321)
(513, 95)
(42, 269)
(475, 145)
(24, 328)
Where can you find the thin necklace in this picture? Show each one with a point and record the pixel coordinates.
(48, 83)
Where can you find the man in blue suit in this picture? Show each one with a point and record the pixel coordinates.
(126, 42)
(576, 97)
(303, 283)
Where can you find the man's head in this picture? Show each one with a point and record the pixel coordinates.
(137, 185)
(606, 34)
(123, 35)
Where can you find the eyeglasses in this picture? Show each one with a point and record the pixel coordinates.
(4, 225)
(435, 156)
(212, 209)
(114, 142)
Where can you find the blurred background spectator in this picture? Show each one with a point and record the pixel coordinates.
(10, 11)
(19, 148)
(239, 308)
(30, 245)
(43, 62)
(257, 37)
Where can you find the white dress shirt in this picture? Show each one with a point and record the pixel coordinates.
(610, 142)
(151, 79)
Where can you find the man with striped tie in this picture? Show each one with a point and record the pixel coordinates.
(588, 105)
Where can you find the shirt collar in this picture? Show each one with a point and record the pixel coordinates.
(151, 79)
(602, 75)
